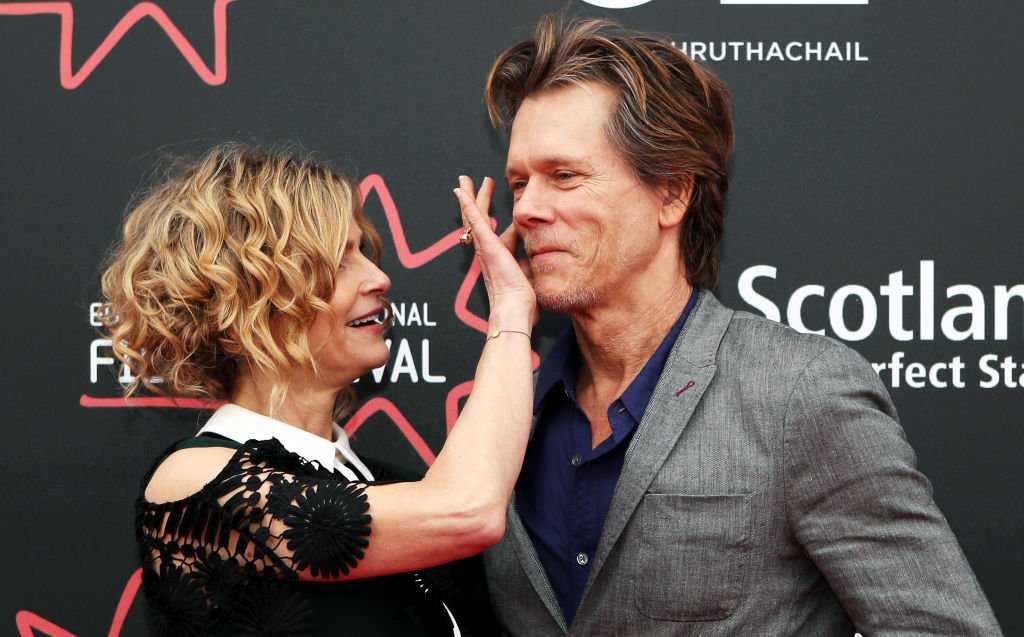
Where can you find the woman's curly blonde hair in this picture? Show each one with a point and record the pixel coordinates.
(229, 262)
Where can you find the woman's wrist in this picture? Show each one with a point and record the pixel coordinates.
(495, 333)
(511, 321)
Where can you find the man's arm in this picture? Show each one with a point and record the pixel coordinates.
(865, 515)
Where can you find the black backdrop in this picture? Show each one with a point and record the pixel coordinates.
(881, 170)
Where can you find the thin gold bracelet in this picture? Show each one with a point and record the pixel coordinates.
(497, 333)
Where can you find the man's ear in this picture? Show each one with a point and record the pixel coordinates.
(676, 199)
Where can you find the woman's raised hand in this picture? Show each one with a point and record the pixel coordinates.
(509, 291)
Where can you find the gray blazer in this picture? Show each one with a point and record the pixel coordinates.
(768, 490)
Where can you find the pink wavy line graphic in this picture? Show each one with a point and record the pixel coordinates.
(408, 259)
(375, 405)
(149, 401)
(28, 622)
(71, 79)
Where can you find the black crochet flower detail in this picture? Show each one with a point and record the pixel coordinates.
(271, 453)
(214, 563)
(270, 609)
(177, 605)
(282, 494)
(221, 578)
(327, 528)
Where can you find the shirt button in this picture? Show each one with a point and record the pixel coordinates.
(582, 559)
(577, 460)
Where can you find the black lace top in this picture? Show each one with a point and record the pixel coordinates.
(225, 561)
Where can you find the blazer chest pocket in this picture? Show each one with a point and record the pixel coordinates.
(693, 555)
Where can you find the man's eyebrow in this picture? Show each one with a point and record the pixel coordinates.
(555, 161)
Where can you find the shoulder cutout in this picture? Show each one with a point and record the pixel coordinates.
(185, 472)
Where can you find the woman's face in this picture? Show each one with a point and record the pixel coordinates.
(351, 343)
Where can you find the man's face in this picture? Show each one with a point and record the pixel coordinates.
(590, 228)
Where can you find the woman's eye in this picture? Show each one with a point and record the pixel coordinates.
(350, 254)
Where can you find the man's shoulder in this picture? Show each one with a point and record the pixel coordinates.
(745, 326)
(761, 357)
(758, 340)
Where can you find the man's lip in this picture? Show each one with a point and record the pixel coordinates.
(537, 252)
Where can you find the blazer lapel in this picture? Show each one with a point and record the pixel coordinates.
(687, 374)
(527, 554)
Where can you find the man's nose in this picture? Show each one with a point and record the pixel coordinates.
(533, 206)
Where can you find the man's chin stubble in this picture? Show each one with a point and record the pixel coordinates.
(566, 301)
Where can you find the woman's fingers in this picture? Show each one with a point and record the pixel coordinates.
(504, 277)
(474, 205)
(471, 216)
(496, 252)
(467, 187)
(483, 197)
(510, 237)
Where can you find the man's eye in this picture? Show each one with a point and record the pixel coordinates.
(563, 175)
(518, 184)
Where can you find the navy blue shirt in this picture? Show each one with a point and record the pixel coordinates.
(565, 487)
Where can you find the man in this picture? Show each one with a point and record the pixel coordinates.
(693, 470)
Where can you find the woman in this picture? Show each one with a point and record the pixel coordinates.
(252, 277)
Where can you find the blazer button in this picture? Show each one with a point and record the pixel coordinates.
(577, 460)
(582, 559)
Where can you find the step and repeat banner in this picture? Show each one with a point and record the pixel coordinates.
(875, 199)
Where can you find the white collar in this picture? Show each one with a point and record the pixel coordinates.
(240, 424)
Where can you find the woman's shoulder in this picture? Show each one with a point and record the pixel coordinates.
(205, 440)
(196, 465)
(185, 470)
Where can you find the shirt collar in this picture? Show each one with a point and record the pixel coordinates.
(562, 364)
(638, 395)
(241, 425)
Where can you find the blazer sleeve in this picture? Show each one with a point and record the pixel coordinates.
(865, 515)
